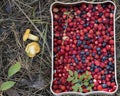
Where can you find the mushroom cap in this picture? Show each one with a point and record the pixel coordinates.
(32, 49)
(26, 34)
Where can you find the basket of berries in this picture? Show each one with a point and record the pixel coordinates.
(83, 48)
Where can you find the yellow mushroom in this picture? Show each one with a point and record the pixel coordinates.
(27, 35)
(32, 49)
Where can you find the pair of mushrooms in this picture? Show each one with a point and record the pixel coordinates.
(32, 48)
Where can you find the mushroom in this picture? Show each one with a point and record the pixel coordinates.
(27, 35)
(32, 49)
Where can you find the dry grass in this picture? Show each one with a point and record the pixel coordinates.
(15, 17)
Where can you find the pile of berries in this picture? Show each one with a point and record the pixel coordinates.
(84, 41)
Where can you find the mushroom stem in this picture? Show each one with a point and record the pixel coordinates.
(33, 37)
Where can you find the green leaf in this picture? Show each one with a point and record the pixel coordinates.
(86, 80)
(7, 85)
(80, 89)
(85, 77)
(86, 83)
(76, 87)
(89, 77)
(76, 74)
(87, 73)
(91, 85)
(75, 80)
(89, 88)
(70, 72)
(70, 79)
(14, 69)
(81, 78)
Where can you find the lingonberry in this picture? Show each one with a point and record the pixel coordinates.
(55, 10)
(63, 88)
(99, 87)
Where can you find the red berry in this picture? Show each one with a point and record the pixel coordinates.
(78, 12)
(111, 42)
(57, 91)
(108, 47)
(63, 88)
(55, 10)
(99, 87)
(97, 62)
(55, 86)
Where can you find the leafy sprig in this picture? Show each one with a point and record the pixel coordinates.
(79, 81)
(11, 71)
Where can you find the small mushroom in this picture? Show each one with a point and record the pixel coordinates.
(32, 49)
(27, 35)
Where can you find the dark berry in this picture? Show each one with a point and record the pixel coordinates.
(90, 40)
(103, 77)
(96, 21)
(77, 37)
(76, 61)
(64, 27)
(96, 66)
(79, 42)
(99, 52)
(100, 68)
(85, 46)
(83, 58)
(113, 79)
(107, 67)
(91, 81)
(106, 72)
(86, 37)
(104, 44)
(83, 61)
(58, 48)
(98, 36)
(87, 53)
(112, 69)
(112, 11)
(100, 14)
(80, 14)
(98, 49)
(91, 69)
(110, 63)
(89, 47)
(93, 10)
(84, 12)
(103, 5)
(82, 53)
(71, 64)
(104, 85)
(80, 71)
(93, 54)
(73, 56)
(84, 42)
(85, 25)
(93, 65)
(104, 58)
(108, 34)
